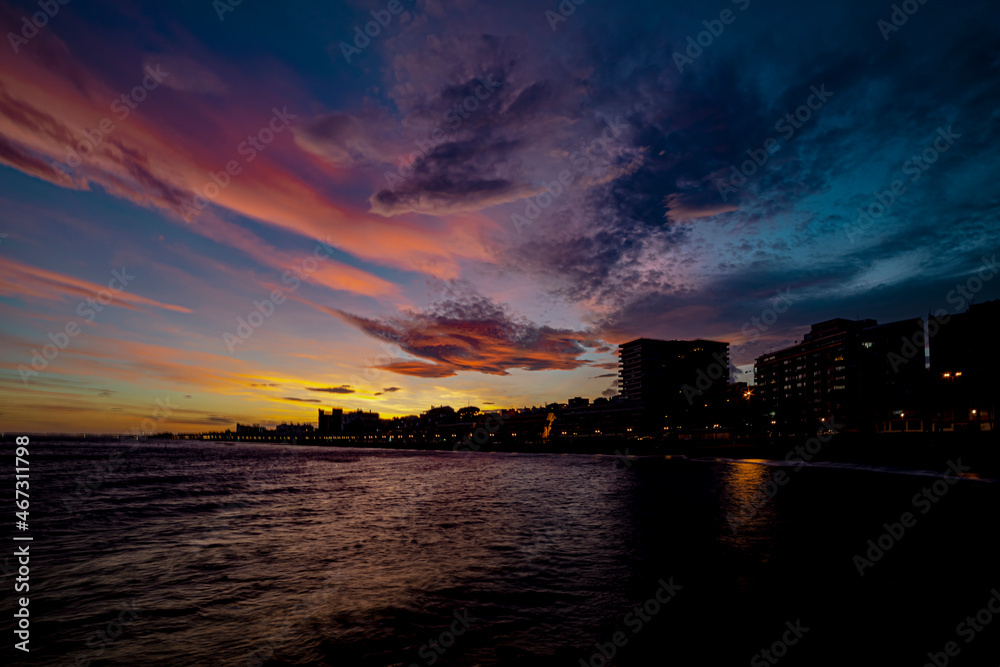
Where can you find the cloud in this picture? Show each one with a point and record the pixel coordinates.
(473, 333)
(473, 121)
(659, 252)
(419, 369)
(388, 390)
(300, 400)
(15, 156)
(455, 178)
(346, 140)
(686, 207)
(641, 243)
(608, 365)
(162, 160)
(22, 280)
(186, 75)
(606, 375)
(342, 389)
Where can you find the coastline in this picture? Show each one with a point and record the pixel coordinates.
(916, 452)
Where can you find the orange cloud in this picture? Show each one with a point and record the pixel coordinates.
(23, 280)
(472, 333)
(45, 112)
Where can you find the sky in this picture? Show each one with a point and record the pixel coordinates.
(214, 213)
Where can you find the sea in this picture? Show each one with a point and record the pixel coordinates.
(180, 553)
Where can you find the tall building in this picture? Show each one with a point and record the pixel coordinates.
(965, 366)
(360, 422)
(679, 384)
(845, 374)
(333, 423)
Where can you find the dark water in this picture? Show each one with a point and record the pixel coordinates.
(213, 554)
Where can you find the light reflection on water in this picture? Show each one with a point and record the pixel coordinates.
(279, 555)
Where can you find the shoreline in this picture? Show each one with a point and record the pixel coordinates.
(917, 452)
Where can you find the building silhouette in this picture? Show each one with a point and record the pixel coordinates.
(360, 422)
(331, 424)
(910, 376)
(965, 364)
(680, 385)
(852, 375)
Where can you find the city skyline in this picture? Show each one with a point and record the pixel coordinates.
(239, 211)
(906, 363)
(471, 334)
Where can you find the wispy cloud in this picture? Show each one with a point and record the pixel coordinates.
(342, 389)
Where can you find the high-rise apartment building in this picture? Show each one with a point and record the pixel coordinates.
(845, 374)
(680, 384)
